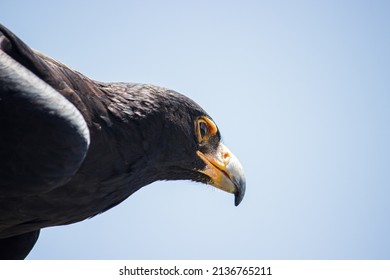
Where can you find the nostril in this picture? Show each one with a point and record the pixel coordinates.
(226, 157)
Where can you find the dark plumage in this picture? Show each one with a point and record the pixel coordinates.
(71, 147)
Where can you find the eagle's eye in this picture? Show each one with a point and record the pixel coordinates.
(204, 129)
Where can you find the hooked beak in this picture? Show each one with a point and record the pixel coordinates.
(225, 172)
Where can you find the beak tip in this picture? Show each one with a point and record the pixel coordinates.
(237, 199)
(240, 192)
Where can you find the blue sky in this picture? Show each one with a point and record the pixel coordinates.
(300, 91)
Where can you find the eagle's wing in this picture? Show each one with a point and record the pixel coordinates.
(44, 138)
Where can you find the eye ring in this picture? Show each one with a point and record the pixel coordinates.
(204, 129)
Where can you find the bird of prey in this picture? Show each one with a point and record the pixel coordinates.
(72, 147)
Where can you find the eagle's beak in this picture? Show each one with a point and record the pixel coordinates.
(225, 172)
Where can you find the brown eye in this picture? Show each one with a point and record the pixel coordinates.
(202, 129)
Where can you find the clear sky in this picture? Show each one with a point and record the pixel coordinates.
(301, 93)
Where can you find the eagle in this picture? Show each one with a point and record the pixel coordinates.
(72, 147)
